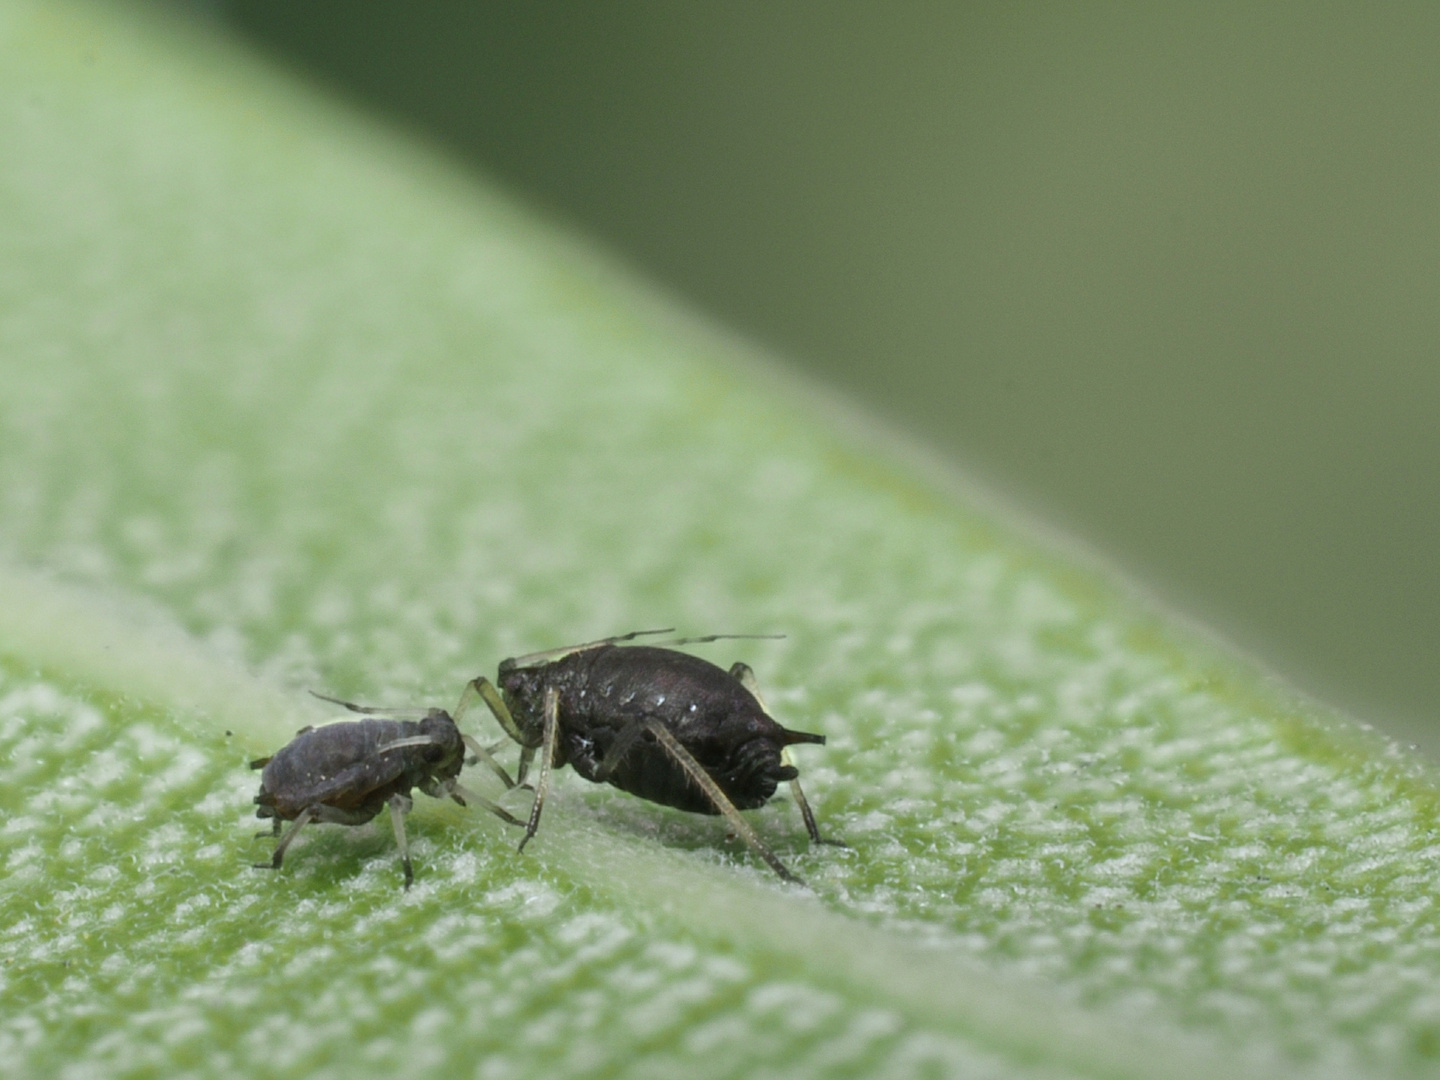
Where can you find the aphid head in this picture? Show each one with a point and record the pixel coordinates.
(446, 751)
(523, 689)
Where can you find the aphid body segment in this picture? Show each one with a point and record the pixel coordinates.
(346, 773)
(664, 725)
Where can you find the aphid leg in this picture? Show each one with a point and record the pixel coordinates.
(745, 675)
(482, 753)
(701, 779)
(464, 796)
(806, 813)
(301, 820)
(400, 806)
(527, 755)
(547, 756)
(618, 749)
(271, 832)
(320, 813)
(484, 689)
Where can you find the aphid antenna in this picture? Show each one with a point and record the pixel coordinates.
(722, 637)
(373, 710)
(537, 659)
(409, 740)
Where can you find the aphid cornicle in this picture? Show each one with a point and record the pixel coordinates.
(664, 725)
(346, 773)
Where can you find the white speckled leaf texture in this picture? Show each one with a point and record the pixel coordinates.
(288, 403)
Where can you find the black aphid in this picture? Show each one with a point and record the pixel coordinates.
(346, 773)
(660, 724)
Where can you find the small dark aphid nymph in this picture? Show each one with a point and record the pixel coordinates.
(663, 725)
(346, 773)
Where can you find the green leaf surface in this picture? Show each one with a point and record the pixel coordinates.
(288, 403)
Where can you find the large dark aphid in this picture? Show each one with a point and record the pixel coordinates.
(346, 773)
(660, 724)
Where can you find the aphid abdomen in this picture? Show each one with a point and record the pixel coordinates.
(753, 772)
(334, 765)
(652, 775)
(746, 767)
(352, 789)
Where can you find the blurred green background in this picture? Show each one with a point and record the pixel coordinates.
(1165, 273)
